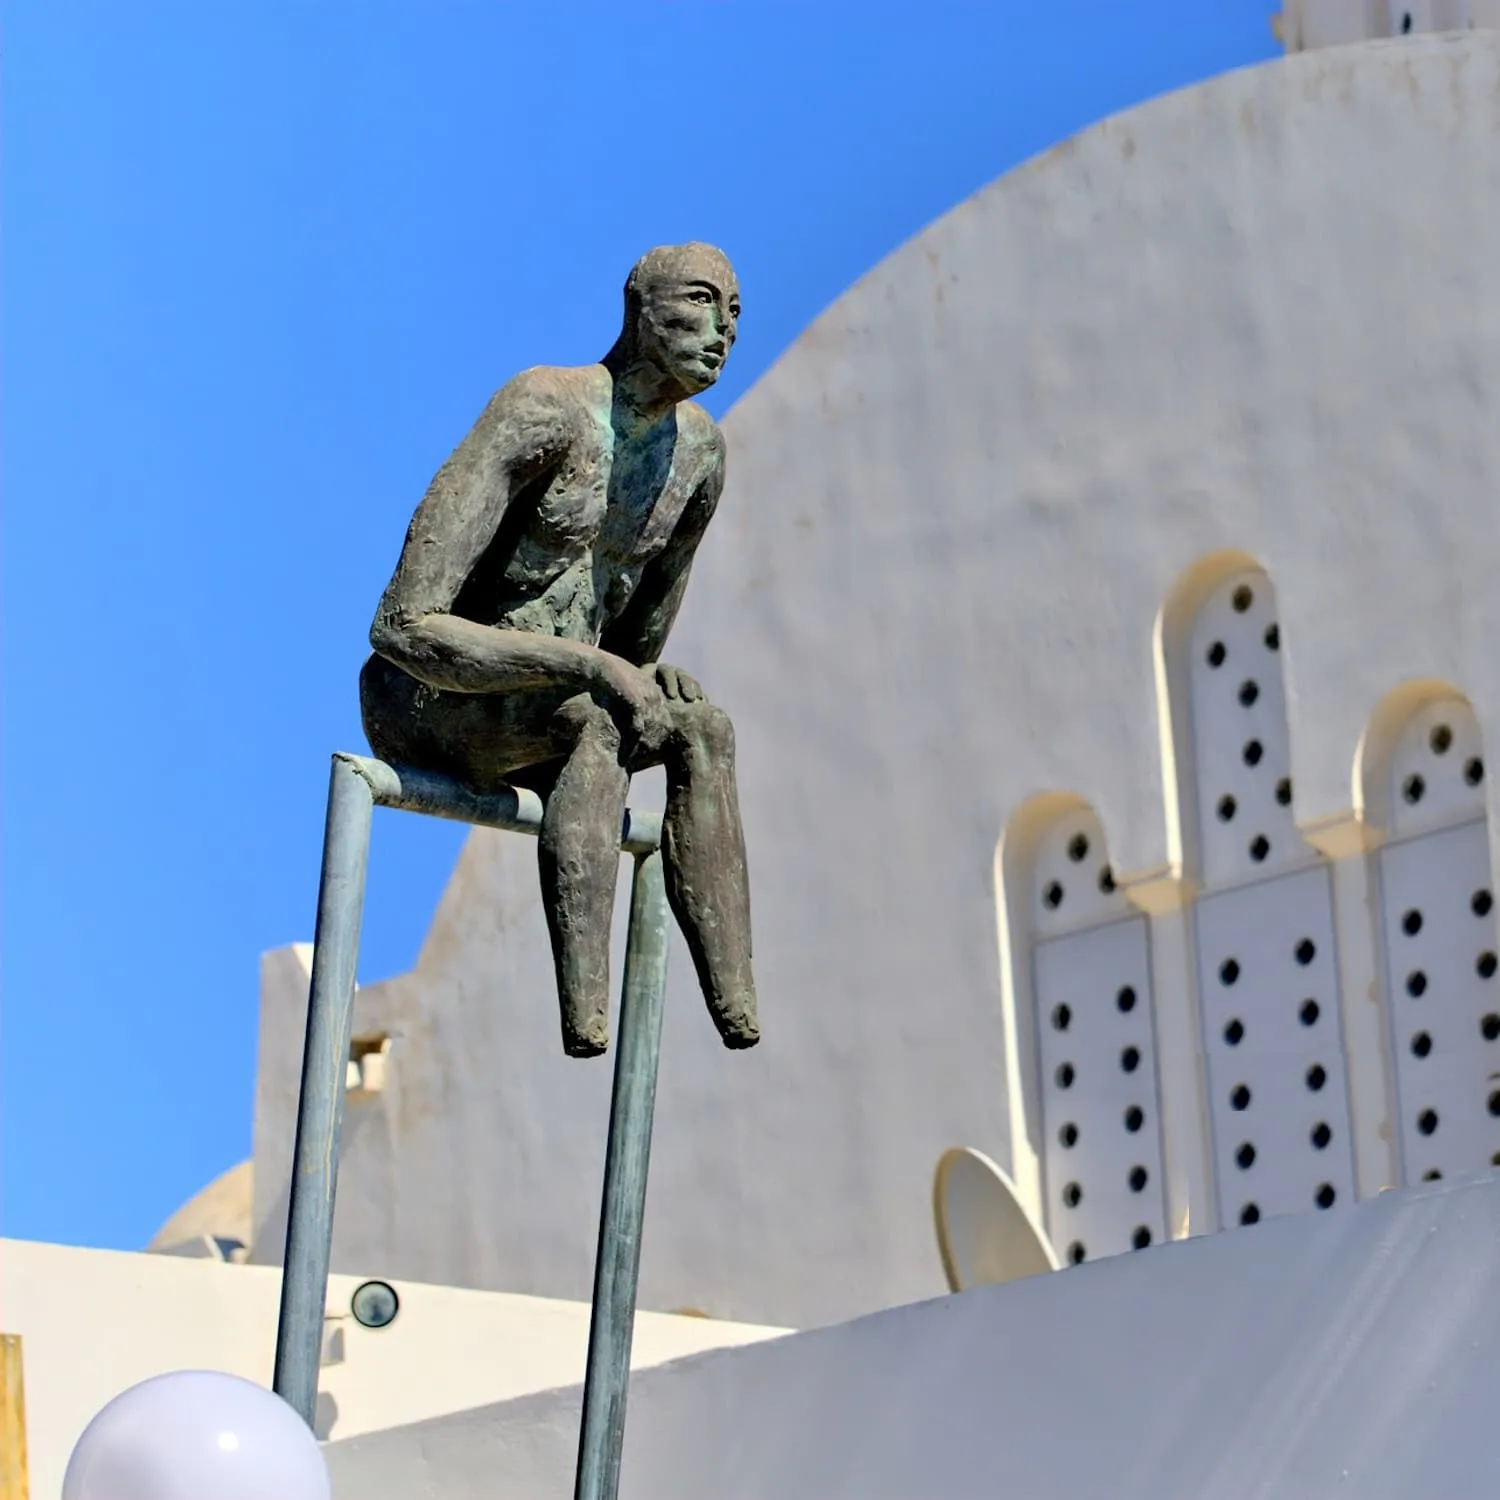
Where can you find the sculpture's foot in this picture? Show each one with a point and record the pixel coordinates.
(586, 1036)
(737, 1020)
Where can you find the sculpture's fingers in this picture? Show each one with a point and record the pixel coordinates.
(688, 686)
(667, 677)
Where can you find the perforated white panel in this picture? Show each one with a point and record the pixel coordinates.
(1241, 744)
(1072, 885)
(1103, 1174)
(1278, 1098)
(1437, 770)
(1438, 931)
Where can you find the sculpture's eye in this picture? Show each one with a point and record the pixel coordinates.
(700, 296)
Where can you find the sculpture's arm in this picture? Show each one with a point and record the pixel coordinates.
(640, 632)
(522, 433)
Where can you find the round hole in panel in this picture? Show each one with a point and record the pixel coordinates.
(1413, 789)
(1306, 951)
(1481, 903)
(1253, 752)
(1309, 1012)
(1249, 1214)
(1139, 1177)
(1489, 1027)
(1141, 1238)
(1229, 971)
(1062, 1016)
(1072, 1195)
(1284, 791)
(1216, 654)
(1226, 808)
(1416, 984)
(1107, 881)
(1325, 1196)
(1421, 1044)
(1135, 1117)
(1242, 598)
(1064, 1075)
(1078, 848)
(1484, 965)
(1076, 1253)
(1068, 1136)
(1427, 1121)
(1130, 1060)
(1441, 739)
(1053, 894)
(1474, 770)
(1494, 1102)
(1244, 1158)
(1316, 1077)
(1320, 1135)
(1234, 1032)
(1495, 1159)
(1411, 923)
(1260, 846)
(1272, 637)
(1249, 692)
(1239, 1097)
(1125, 1000)
(1432, 1175)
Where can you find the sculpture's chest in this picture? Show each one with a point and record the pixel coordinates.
(619, 501)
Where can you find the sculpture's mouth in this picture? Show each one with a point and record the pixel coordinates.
(713, 356)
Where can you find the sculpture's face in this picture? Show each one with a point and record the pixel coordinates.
(687, 314)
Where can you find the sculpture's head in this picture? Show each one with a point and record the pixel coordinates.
(682, 309)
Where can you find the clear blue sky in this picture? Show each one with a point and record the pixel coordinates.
(264, 260)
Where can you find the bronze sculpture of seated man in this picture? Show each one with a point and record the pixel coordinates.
(518, 642)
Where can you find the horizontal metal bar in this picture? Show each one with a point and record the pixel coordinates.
(516, 810)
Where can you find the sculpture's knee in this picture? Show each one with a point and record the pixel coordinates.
(581, 719)
(710, 730)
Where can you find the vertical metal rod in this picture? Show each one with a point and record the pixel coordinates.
(320, 1109)
(627, 1160)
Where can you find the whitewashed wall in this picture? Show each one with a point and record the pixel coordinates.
(94, 1323)
(1259, 316)
(1339, 1354)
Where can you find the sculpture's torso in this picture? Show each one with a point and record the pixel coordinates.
(571, 547)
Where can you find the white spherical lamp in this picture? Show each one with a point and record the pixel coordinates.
(197, 1435)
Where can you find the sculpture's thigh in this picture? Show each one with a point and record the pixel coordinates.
(480, 739)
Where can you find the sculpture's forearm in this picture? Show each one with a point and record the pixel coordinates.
(461, 656)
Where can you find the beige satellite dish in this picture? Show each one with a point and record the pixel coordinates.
(985, 1234)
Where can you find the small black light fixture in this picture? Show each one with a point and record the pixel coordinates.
(375, 1304)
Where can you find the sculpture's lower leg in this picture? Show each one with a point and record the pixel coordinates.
(579, 857)
(707, 881)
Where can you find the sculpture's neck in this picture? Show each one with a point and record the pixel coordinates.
(644, 395)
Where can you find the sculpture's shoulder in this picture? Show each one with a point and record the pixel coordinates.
(556, 399)
(703, 437)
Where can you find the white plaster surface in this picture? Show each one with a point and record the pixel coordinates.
(1347, 1353)
(95, 1322)
(1261, 314)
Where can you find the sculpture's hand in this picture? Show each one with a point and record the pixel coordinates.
(675, 683)
(635, 689)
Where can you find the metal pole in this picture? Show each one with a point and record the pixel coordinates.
(627, 1158)
(320, 1110)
